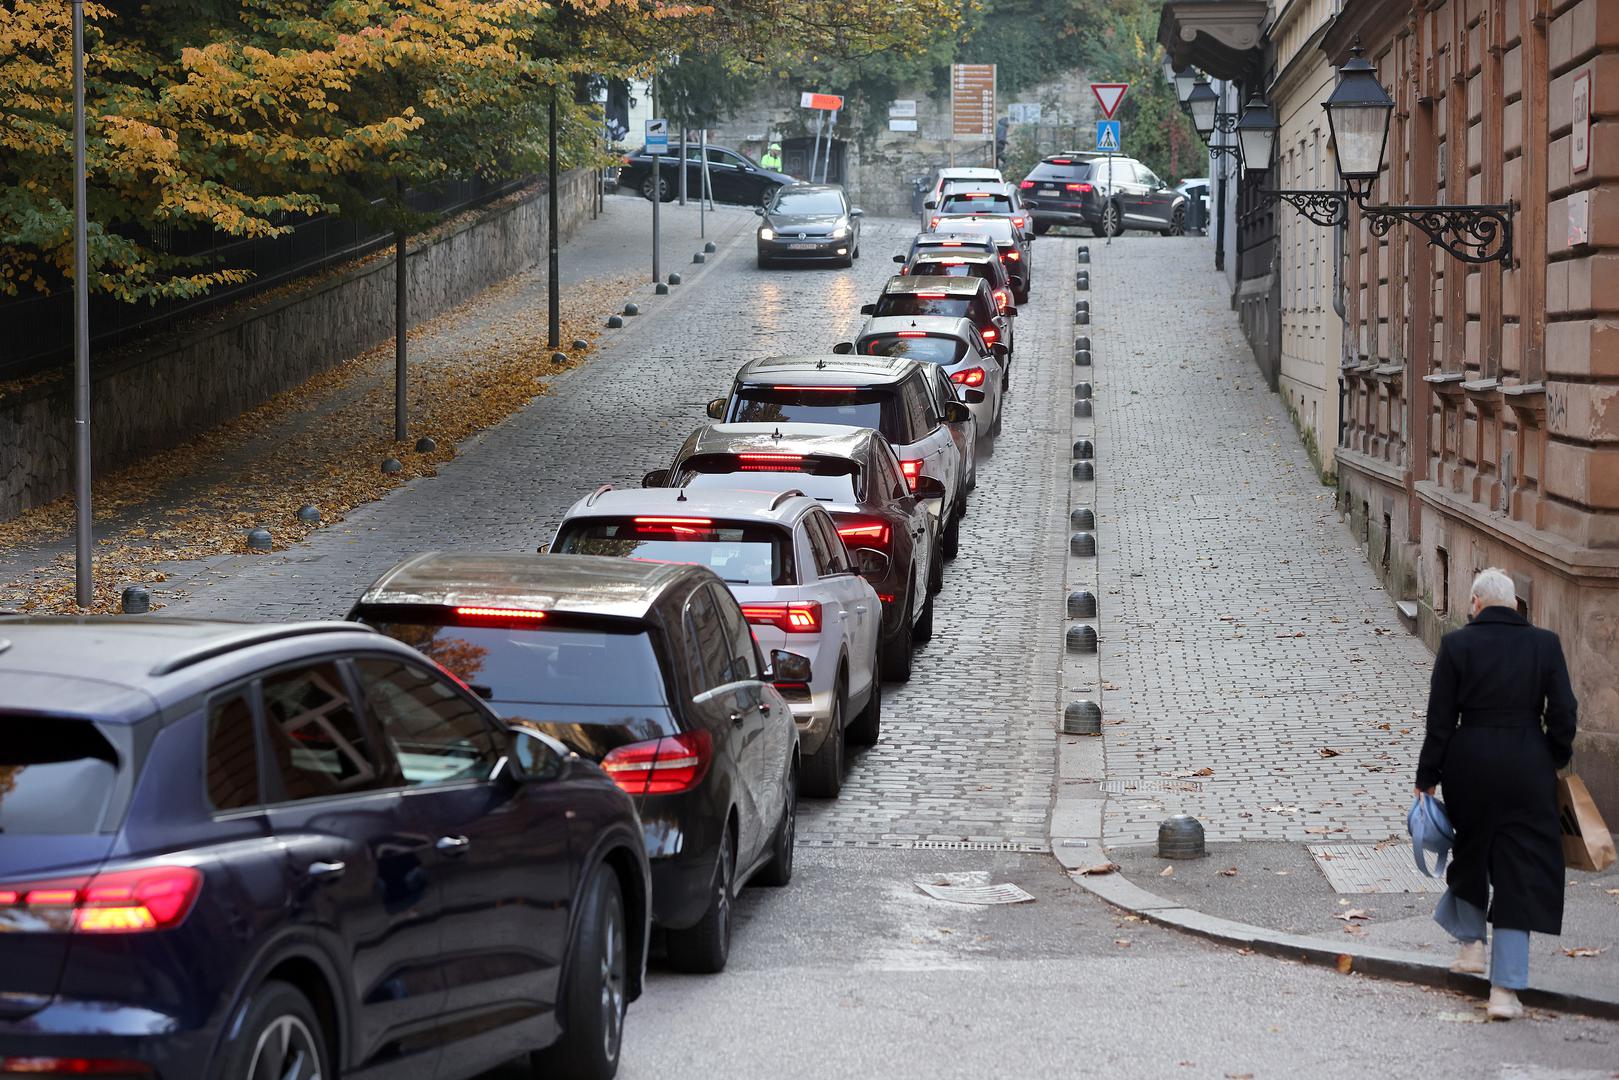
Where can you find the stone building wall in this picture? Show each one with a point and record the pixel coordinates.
(162, 396)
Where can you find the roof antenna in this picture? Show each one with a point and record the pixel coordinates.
(776, 434)
(681, 497)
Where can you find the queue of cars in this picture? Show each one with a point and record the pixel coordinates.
(452, 828)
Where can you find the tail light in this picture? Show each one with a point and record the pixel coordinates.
(973, 376)
(1026, 185)
(933, 223)
(930, 296)
(72, 1066)
(912, 471)
(114, 902)
(1062, 161)
(863, 532)
(1001, 299)
(1018, 222)
(913, 333)
(498, 615)
(1083, 189)
(797, 617)
(950, 243)
(989, 334)
(770, 462)
(665, 766)
(904, 270)
(628, 160)
(886, 597)
(1011, 256)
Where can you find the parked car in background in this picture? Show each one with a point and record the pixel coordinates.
(733, 177)
(881, 517)
(1014, 249)
(889, 395)
(648, 668)
(977, 369)
(954, 297)
(810, 223)
(779, 553)
(1105, 194)
(249, 851)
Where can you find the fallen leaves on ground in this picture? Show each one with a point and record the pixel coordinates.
(1346, 963)
(1352, 913)
(1581, 951)
(1123, 942)
(1230, 871)
(1327, 751)
(1099, 869)
(1168, 871)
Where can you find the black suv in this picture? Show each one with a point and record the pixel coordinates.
(649, 668)
(249, 851)
(1107, 194)
(969, 298)
(852, 470)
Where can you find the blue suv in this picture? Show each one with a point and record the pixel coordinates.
(233, 851)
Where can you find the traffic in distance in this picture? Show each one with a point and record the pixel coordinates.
(454, 827)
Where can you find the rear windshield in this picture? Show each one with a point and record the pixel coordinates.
(1078, 170)
(932, 267)
(868, 407)
(930, 347)
(604, 664)
(57, 777)
(924, 303)
(836, 480)
(741, 553)
(997, 227)
(975, 202)
(808, 202)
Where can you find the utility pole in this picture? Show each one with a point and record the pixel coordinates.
(83, 579)
(657, 187)
(553, 333)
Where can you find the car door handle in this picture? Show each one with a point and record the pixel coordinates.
(764, 708)
(327, 871)
(453, 845)
(736, 718)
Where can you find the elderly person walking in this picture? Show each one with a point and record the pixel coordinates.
(1500, 726)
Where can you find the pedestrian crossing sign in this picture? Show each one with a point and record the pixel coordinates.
(1107, 136)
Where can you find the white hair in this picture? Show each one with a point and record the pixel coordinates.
(1493, 588)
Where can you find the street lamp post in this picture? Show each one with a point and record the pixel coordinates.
(83, 579)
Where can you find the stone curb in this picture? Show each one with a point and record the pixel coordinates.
(1395, 964)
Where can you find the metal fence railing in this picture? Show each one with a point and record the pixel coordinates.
(36, 331)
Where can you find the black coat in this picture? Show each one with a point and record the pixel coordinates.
(1500, 725)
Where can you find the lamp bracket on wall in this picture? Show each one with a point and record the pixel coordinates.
(1327, 209)
(1231, 152)
(1474, 234)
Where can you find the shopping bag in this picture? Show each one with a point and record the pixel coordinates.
(1587, 843)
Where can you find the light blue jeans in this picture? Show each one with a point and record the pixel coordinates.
(1509, 949)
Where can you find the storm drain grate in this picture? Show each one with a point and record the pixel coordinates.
(1148, 784)
(926, 845)
(1368, 868)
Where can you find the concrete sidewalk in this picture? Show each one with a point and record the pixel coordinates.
(1249, 669)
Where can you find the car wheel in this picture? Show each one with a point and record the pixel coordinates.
(280, 1036)
(950, 546)
(1041, 228)
(663, 186)
(823, 774)
(704, 948)
(768, 193)
(936, 571)
(1021, 295)
(1177, 222)
(1000, 407)
(1111, 220)
(896, 653)
(779, 870)
(869, 724)
(924, 625)
(596, 993)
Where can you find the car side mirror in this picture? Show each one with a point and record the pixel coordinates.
(931, 204)
(538, 756)
(868, 309)
(857, 212)
(843, 348)
(657, 478)
(900, 259)
(759, 210)
(1000, 350)
(870, 563)
(973, 397)
(1010, 313)
(956, 413)
(931, 487)
(716, 409)
(789, 667)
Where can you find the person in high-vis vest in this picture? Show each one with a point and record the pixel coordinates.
(772, 158)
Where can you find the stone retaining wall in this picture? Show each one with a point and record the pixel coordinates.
(178, 388)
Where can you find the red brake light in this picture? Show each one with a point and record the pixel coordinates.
(989, 334)
(913, 333)
(663, 766)
(499, 614)
(933, 223)
(1062, 161)
(1081, 188)
(1026, 185)
(1013, 256)
(1001, 299)
(797, 617)
(60, 1066)
(113, 902)
(912, 471)
(1018, 222)
(673, 521)
(820, 389)
(864, 533)
(778, 459)
(951, 243)
(968, 377)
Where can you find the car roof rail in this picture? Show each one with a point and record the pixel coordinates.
(790, 493)
(252, 635)
(590, 500)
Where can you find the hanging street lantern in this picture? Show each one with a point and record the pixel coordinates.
(1185, 79)
(1203, 103)
(1256, 134)
(1358, 115)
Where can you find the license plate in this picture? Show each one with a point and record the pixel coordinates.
(1048, 190)
(802, 247)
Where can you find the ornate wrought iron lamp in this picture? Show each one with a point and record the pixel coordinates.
(1204, 106)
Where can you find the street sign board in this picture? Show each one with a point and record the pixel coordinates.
(1107, 136)
(904, 108)
(825, 102)
(972, 101)
(1024, 112)
(1108, 95)
(901, 123)
(657, 136)
(1579, 140)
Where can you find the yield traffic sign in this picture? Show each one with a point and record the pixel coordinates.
(1108, 95)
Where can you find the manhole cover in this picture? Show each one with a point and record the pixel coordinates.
(1366, 868)
(1149, 784)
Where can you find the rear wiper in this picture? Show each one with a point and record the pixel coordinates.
(485, 692)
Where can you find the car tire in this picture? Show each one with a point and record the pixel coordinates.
(896, 653)
(768, 193)
(924, 625)
(868, 726)
(704, 948)
(950, 544)
(1041, 228)
(766, 263)
(1177, 222)
(646, 188)
(1112, 220)
(936, 571)
(1000, 408)
(278, 1028)
(595, 995)
(1021, 296)
(823, 773)
(779, 870)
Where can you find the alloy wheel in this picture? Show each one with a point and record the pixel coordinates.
(1177, 222)
(613, 979)
(285, 1051)
(1110, 220)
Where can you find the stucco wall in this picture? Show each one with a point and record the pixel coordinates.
(169, 393)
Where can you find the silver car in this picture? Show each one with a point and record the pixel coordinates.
(977, 370)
